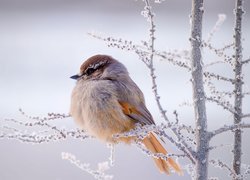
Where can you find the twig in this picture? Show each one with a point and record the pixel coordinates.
(246, 61)
(228, 128)
(98, 174)
(220, 164)
(141, 146)
(220, 52)
(224, 104)
(245, 116)
(112, 153)
(219, 22)
(150, 16)
(219, 146)
(218, 77)
(172, 59)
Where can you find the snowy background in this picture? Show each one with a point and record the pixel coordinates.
(43, 43)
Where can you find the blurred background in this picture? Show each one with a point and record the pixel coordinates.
(43, 43)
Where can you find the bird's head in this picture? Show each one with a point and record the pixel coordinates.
(101, 67)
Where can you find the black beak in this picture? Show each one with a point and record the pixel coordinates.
(75, 77)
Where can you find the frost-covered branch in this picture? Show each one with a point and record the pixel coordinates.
(220, 52)
(224, 104)
(27, 131)
(218, 77)
(149, 15)
(246, 61)
(141, 146)
(176, 58)
(231, 173)
(218, 163)
(228, 128)
(219, 146)
(220, 94)
(198, 90)
(98, 174)
(238, 87)
(245, 116)
(219, 22)
(140, 132)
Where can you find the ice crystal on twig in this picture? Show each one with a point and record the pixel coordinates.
(98, 174)
(31, 134)
(219, 164)
(220, 21)
(112, 153)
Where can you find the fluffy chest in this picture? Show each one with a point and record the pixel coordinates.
(96, 109)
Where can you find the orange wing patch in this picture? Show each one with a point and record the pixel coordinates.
(128, 109)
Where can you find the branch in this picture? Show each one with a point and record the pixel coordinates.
(150, 17)
(219, 22)
(140, 132)
(224, 104)
(98, 174)
(50, 134)
(245, 116)
(238, 86)
(219, 146)
(112, 153)
(220, 52)
(142, 147)
(44, 136)
(220, 164)
(127, 45)
(171, 57)
(198, 90)
(182, 145)
(246, 61)
(245, 93)
(247, 171)
(213, 63)
(228, 128)
(220, 94)
(218, 77)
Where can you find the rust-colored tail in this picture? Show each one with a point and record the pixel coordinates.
(152, 144)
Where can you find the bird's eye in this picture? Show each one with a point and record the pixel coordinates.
(89, 71)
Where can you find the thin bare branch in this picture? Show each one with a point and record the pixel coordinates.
(224, 104)
(220, 53)
(218, 77)
(245, 116)
(219, 94)
(98, 174)
(246, 61)
(228, 128)
(187, 149)
(172, 58)
(218, 163)
(219, 146)
(213, 63)
(141, 146)
(219, 22)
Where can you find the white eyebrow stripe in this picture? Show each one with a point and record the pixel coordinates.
(96, 65)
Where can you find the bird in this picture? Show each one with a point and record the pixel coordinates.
(106, 101)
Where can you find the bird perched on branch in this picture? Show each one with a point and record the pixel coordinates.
(106, 101)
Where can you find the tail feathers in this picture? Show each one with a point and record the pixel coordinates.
(152, 144)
